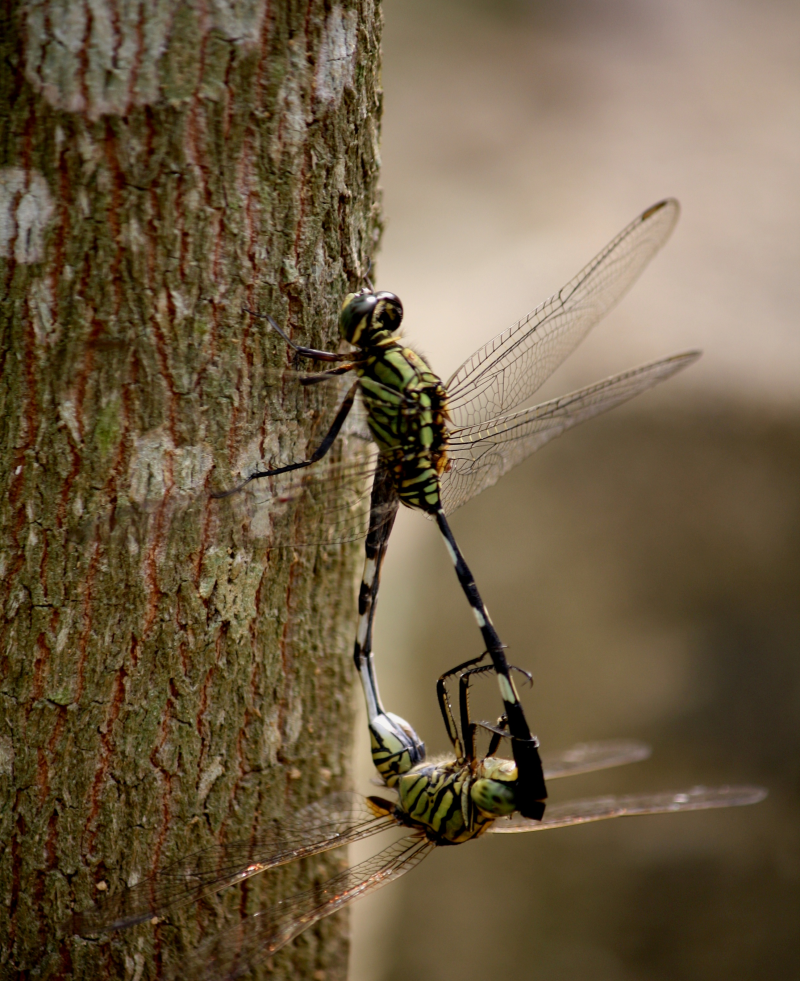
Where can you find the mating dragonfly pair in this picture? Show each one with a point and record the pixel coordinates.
(436, 446)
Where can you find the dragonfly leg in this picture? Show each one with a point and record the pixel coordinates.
(532, 789)
(464, 745)
(318, 454)
(460, 746)
(500, 731)
(366, 277)
(446, 709)
(305, 352)
(467, 725)
(323, 376)
(460, 668)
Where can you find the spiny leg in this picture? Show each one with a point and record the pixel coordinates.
(468, 727)
(318, 454)
(464, 744)
(446, 708)
(532, 789)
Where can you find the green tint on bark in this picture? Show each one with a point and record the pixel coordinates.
(168, 682)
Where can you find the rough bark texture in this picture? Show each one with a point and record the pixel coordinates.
(162, 165)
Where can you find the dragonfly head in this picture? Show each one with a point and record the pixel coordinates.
(494, 791)
(366, 313)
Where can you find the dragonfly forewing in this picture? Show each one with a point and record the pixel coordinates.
(172, 487)
(512, 366)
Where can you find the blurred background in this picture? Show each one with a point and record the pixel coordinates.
(646, 566)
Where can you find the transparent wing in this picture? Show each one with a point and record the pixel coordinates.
(512, 366)
(602, 808)
(334, 821)
(586, 757)
(255, 938)
(479, 455)
(327, 504)
(324, 504)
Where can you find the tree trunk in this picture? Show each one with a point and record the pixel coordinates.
(163, 166)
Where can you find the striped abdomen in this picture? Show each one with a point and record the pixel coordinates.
(395, 747)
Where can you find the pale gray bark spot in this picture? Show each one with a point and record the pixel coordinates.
(272, 740)
(191, 466)
(134, 967)
(6, 755)
(150, 476)
(40, 305)
(66, 413)
(239, 20)
(67, 621)
(210, 775)
(26, 208)
(293, 723)
(101, 60)
(291, 134)
(337, 56)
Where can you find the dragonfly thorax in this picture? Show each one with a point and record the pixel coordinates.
(365, 314)
(453, 801)
(406, 407)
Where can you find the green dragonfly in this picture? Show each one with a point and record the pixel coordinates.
(438, 445)
(433, 804)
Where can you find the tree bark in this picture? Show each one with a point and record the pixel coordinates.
(162, 166)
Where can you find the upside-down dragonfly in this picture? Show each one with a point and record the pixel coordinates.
(437, 803)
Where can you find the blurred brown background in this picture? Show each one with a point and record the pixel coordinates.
(644, 567)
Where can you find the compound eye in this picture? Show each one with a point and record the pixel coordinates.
(493, 797)
(355, 314)
(388, 311)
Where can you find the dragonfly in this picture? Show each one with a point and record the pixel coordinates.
(432, 804)
(439, 445)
